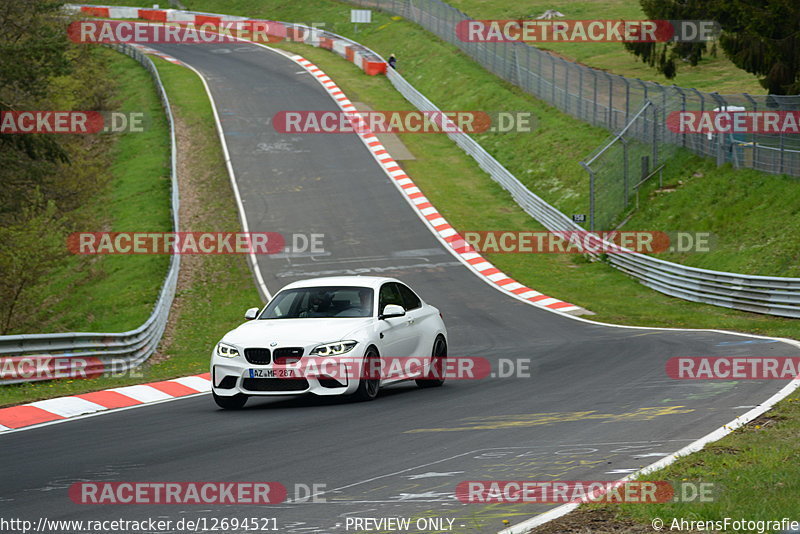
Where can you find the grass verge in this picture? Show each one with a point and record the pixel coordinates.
(213, 290)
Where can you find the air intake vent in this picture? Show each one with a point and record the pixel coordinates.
(257, 356)
(287, 355)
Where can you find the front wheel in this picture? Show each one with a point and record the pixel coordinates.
(370, 379)
(435, 376)
(235, 402)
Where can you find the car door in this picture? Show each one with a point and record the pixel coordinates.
(397, 341)
(419, 325)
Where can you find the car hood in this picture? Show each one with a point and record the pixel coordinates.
(294, 331)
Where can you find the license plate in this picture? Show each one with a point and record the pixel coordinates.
(273, 373)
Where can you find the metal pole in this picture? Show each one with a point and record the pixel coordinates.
(591, 200)
(625, 169)
(755, 164)
(580, 92)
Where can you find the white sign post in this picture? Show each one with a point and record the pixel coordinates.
(360, 16)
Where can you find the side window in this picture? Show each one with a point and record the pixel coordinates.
(410, 300)
(389, 295)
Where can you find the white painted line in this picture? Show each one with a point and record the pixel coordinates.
(262, 286)
(198, 383)
(68, 406)
(142, 393)
(512, 286)
(4, 428)
(695, 446)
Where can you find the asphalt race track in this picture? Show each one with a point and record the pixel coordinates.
(597, 404)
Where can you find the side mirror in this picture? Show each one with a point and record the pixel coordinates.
(392, 310)
(251, 314)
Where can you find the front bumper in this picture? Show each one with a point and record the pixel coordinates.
(231, 376)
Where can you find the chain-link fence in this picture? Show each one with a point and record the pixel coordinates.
(609, 100)
(623, 164)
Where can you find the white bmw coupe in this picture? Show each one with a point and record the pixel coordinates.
(345, 335)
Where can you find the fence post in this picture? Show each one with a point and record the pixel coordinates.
(611, 122)
(580, 92)
(627, 100)
(566, 86)
(755, 164)
(591, 195)
(683, 108)
(625, 168)
(720, 137)
(539, 54)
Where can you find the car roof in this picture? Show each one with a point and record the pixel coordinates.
(356, 281)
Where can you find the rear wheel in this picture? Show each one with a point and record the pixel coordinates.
(370, 379)
(235, 402)
(435, 376)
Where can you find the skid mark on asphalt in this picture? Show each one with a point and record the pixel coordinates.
(499, 422)
(426, 492)
(396, 269)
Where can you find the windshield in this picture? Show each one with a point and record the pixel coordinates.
(320, 302)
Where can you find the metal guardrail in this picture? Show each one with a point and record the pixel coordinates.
(104, 352)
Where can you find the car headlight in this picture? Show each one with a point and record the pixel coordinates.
(227, 351)
(333, 349)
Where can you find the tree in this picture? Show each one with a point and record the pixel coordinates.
(759, 36)
(30, 249)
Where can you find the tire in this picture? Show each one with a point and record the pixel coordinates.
(435, 377)
(368, 388)
(236, 402)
